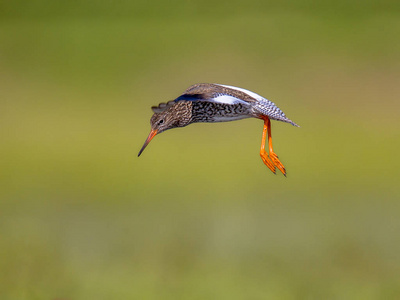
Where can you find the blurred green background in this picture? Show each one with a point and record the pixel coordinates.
(198, 215)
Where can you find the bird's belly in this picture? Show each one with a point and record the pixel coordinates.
(217, 112)
(228, 118)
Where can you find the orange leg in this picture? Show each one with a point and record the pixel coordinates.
(271, 160)
(264, 155)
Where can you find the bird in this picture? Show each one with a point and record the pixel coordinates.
(210, 103)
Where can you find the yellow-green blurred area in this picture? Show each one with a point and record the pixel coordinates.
(198, 215)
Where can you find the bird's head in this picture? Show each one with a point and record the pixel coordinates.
(167, 116)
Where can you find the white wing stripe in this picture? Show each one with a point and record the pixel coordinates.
(250, 93)
(226, 99)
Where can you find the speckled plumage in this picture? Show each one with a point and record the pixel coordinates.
(210, 112)
(211, 103)
(258, 105)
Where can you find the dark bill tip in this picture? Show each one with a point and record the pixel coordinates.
(152, 134)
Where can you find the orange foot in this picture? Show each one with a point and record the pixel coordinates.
(277, 162)
(267, 161)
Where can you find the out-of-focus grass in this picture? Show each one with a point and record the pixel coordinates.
(198, 215)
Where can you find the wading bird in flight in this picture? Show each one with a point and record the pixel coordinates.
(207, 102)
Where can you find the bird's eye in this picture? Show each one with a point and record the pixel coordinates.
(160, 122)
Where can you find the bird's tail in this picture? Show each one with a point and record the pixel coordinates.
(286, 120)
(293, 123)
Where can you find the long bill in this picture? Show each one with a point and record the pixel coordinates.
(152, 134)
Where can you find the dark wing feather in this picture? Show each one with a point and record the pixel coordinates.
(193, 93)
(192, 97)
(162, 106)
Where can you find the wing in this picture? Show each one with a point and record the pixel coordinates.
(162, 106)
(212, 92)
(216, 93)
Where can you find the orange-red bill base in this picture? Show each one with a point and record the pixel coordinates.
(152, 134)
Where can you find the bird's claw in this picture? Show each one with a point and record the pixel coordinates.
(267, 161)
(275, 160)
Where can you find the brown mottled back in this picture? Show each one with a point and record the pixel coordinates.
(210, 90)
